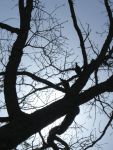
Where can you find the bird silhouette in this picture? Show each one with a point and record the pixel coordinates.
(77, 69)
(65, 84)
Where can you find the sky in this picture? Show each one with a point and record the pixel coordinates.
(89, 12)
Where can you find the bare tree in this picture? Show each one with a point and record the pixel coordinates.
(41, 80)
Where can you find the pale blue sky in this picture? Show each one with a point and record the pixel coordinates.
(89, 11)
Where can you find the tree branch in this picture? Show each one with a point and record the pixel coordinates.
(87, 71)
(32, 123)
(90, 93)
(109, 37)
(13, 64)
(103, 133)
(4, 119)
(38, 79)
(9, 28)
(109, 11)
(78, 31)
(22, 12)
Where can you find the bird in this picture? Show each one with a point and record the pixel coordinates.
(65, 84)
(77, 69)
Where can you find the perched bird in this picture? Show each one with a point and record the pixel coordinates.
(65, 84)
(77, 69)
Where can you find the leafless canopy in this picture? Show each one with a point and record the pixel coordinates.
(42, 80)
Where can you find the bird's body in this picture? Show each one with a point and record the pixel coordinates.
(65, 84)
(77, 69)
